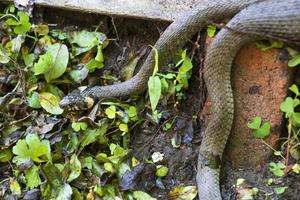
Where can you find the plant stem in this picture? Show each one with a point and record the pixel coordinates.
(288, 146)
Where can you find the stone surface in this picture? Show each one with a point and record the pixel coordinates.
(165, 10)
(260, 82)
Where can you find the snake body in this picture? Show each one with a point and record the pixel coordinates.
(276, 19)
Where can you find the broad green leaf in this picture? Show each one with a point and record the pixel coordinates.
(263, 131)
(255, 123)
(140, 195)
(50, 103)
(77, 126)
(86, 39)
(91, 135)
(79, 75)
(280, 190)
(31, 148)
(183, 193)
(94, 64)
(32, 177)
(111, 112)
(277, 168)
(28, 59)
(294, 89)
(294, 61)
(161, 171)
(154, 90)
(60, 54)
(211, 30)
(75, 168)
(5, 155)
(44, 64)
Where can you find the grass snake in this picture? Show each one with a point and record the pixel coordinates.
(257, 19)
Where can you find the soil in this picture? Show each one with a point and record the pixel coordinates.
(129, 35)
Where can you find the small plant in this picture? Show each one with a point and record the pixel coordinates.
(260, 130)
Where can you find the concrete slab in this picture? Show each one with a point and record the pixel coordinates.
(165, 10)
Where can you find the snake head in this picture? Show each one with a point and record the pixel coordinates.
(77, 100)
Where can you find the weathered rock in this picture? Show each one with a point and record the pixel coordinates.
(260, 82)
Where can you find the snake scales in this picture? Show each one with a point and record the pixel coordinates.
(269, 19)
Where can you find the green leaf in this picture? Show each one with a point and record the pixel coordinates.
(94, 64)
(41, 29)
(111, 112)
(50, 103)
(12, 22)
(154, 90)
(31, 148)
(280, 190)
(296, 168)
(140, 195)
(294, 89)
(4, 57)
(5, 155)
(54, 186)
(296, 117)
(79, 75)
(161, 171)
(183, 193)
(77, 126)
(14, 187)
(277, 168)
(255, 123)
(294, 61)
(99, 56)
(86, 39)
(132, 111)
(23, 26)
(75, 168)
(211, 30)
(91, 135)
(32, 177)
(264, 46)
(155, 70)
(34, 100)
(44, 65)
(17, 43)
(263, 131)
(287, 106)
(123, 127)
(60, 54)
(28, 59)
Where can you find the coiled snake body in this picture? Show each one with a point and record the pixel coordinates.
(275, 19)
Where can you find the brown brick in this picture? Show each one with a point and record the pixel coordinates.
(260, 81)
